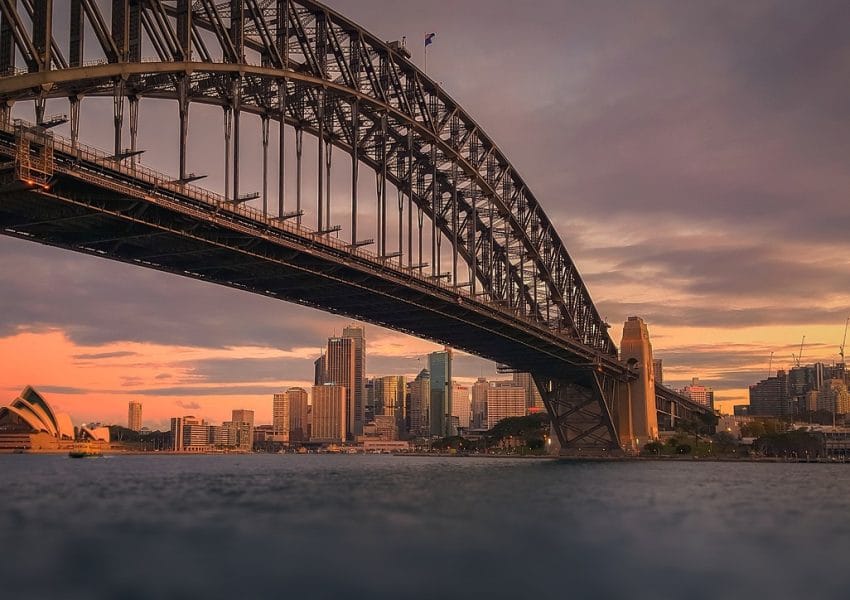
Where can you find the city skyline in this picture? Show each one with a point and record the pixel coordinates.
(731, 164)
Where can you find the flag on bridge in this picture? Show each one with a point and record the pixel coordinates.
(429, 39)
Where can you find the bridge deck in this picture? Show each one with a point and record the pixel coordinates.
(101, 206)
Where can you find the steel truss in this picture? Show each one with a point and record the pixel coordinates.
(301, 65)
(582, 410)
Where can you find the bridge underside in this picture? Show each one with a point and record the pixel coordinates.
(206, 243)
(511, 292)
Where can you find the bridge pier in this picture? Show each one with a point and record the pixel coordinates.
(580, 409)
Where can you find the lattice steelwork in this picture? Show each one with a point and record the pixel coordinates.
(438, 176)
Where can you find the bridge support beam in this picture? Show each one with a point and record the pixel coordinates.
(636, 412)
(580, 409)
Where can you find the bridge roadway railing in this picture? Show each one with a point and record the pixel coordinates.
(135, 173)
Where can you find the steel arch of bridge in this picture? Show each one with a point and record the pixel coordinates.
(298, 62)
(325, 75)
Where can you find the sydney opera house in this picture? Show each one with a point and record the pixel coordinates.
(29, 423)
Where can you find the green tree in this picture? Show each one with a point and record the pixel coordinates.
(654, 448)
(531, 429)
(456, 442)
(724, 442)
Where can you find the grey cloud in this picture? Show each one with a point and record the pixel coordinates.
(101, 355)
(60, 389)
(98, 301)
(234, 370)
(727, 115)
(243, 390)
(188, 405)
(718, 316)
(738, 271)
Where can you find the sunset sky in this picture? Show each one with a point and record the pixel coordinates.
(694, 157)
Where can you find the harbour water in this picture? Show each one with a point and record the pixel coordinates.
(321, 526)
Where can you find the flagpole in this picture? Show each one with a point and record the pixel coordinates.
(429, 39)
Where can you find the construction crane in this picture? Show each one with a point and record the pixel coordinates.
(798, 357)
(770, 365)
(844, 341)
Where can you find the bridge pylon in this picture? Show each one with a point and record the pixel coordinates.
(636, 412)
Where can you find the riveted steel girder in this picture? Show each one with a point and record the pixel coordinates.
(464, 182)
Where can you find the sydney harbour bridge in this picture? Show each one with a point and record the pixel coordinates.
(441, 237)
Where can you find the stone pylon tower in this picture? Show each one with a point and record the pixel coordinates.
(637, 419)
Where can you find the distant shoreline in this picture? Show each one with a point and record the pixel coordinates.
(583, 458)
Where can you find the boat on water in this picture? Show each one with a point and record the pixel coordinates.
(85, 452)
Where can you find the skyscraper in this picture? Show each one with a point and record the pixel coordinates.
(320, 370)
(358, 334)
(242, 427)
(440, 367)
(460, 407)
(504, 400)
(533, 400)
(389, 398)
(770, 397)
(242, 415)
(370, 400)
(329, 413)
(134, 415)
(340, 371)
(420, 402)
(280, 418)
(479, 403)
(296, 397)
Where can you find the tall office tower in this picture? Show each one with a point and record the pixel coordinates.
(533, 399)
(505, 400)
(479, 403)
(358, 334)
(280, 418)
(370, 401)
(420, 403)
(242, 422)
(329, 413)
(770, 397)
(320, 370)
(243, 416)
(460, 406)
(833, 397)
(389, 396)
(177, 434)
(440, 367)
(658, 370)
(134, 416)
(296, 397)
(340, 371)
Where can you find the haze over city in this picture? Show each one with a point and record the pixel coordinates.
(691, 156)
